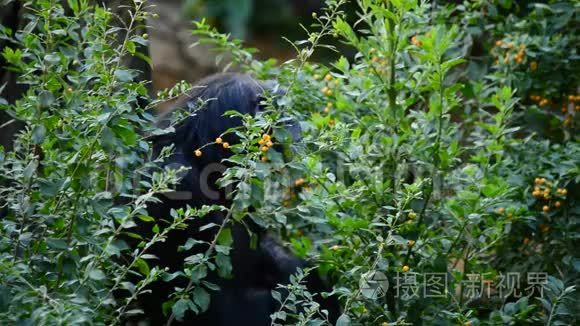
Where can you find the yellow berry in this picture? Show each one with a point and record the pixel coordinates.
(329, 104)
(326, 109)
(219, 140)
(269, 143)
(316, 77)
(412, 215)
(405, 269)
(266, 137)
(328, 77)
(226, 145)
(334, 248)
(498, 43)
(197, 153)
(264, 159)
(261, 142)
(501, 210)
(533, 65)
(299, 182)
(264, 148)
(410, 243)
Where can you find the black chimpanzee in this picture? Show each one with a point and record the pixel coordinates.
(244, 299)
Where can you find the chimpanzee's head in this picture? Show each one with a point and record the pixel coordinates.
(207, 102)
(209, 99)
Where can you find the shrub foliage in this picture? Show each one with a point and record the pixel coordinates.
(436, 182)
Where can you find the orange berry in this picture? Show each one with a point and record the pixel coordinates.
(510, 45)
(226, 145)
(498, 43)
(536, 193)
(328, 77)
(219, 140)
(526, 241)
(264, 148)
(264, 159)
(299, 182)
(261, 142)
(325, 90)
(546, 208)
(266, 137)
(415, 41)
(197, 153)
(557, 204)
(269, 143)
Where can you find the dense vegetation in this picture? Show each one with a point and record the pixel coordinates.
(436, 182)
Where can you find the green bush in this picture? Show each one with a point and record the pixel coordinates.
(422, 161)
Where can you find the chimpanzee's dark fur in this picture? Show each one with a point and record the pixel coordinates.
(246, 298)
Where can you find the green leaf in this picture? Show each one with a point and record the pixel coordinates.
(123, 75)
(60, 244)
(142, 267)
(38, 134)
(180, 307)
(225, 237)
(97, 275)
(201, 298)
(45, 99)
(343, 320)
